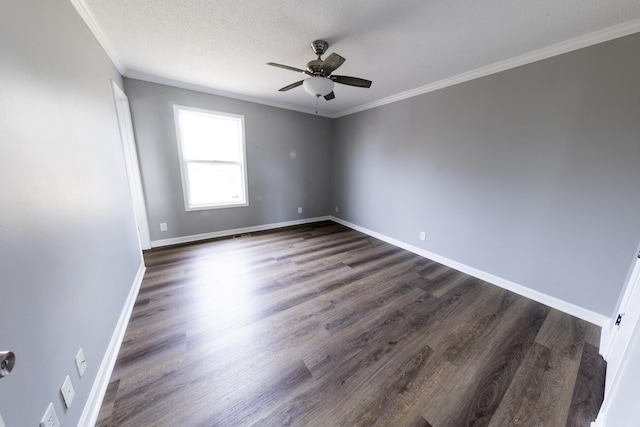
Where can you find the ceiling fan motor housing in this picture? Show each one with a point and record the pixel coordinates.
(315, 67)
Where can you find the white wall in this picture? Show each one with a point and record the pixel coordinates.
(68, 246)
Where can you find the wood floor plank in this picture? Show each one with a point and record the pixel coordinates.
(371, 336)
(341, 311)
(477, 387)
(320, 325)
(555, 400)
(474, 326)
(563, 333)
(588, 392)
(337, 393)
(518, 406)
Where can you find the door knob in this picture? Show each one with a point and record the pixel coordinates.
(7, 362)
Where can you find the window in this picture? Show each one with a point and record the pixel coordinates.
(212, 158)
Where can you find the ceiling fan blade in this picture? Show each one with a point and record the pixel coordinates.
(291, 86)
(330, 96)
(351, 81)
(332, 63)
(286, 67)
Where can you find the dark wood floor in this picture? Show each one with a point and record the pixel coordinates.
(321, 325)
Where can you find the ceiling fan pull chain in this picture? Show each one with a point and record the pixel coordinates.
(317, 98)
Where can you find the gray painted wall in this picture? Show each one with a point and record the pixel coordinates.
(531, 174)
(68, 246)
(279, 181)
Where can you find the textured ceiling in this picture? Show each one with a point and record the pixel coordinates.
(402, 45)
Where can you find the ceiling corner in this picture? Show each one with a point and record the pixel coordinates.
(99, 34)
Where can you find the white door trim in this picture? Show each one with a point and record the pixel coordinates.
(620, 339)
(130, 153)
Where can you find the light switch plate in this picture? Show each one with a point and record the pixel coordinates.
(50, 419)
(67, 391)
(81, 362)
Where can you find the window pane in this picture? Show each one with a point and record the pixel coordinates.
(212, 152)
(215, 184)
(208, 137)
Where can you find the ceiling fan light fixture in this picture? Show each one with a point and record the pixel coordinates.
(318, 86)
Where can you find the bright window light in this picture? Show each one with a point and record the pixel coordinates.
(211, 147)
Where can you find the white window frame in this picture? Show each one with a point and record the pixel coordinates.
(183, 163)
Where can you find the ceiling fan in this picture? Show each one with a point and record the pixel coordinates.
(320, 83)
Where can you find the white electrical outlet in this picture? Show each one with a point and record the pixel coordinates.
(67, 391)
(336, 209)
(300, 210)
(163, 226)
(423, 235)
(81, 362)
(50, 419)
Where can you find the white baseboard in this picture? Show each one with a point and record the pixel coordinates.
(92, 407)
(566, 307)
(233, 232)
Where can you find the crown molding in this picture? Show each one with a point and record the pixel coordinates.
(111, 52)
(587, 40)
(204, 89)
(100, 36)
